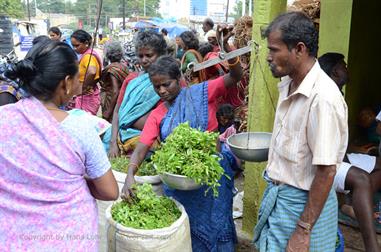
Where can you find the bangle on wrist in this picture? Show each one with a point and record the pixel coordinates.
(133, 164)
(235, 63)
(132, 167)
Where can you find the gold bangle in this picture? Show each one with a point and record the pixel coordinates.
(235, 63)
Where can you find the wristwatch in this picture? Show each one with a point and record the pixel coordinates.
(306, 226)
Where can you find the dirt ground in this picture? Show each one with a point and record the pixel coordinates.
(352, 236)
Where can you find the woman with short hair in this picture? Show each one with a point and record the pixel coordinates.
(113, 76)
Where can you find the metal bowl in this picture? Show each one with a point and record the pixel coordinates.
(179, 182)
(250, 146)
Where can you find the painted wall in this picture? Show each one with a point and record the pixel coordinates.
(263, 93)
(351, 31)
(334, 31)
(364, 88)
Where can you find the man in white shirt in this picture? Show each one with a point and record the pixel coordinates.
(299, 208)
(207, 27)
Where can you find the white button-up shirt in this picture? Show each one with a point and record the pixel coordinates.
(310, 129)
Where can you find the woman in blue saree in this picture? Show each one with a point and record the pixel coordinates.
(136, 98)
(212, 226)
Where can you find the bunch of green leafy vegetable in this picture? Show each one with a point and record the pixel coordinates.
(192, 153)
(147, 169)
(120, 164)
(146, 211)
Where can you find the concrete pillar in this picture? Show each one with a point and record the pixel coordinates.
(336, 34)
(335, 26)
(263, 93)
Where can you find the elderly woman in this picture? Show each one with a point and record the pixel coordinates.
(53, 167)
(211, 221)
(112, 78)
(136, 98)
(90, 67)
(189, 43)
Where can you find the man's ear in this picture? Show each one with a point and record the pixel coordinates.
(300, 49)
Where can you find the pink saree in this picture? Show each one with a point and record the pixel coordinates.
(90, 100)
(45, 203)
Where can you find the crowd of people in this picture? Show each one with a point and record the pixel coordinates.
(54, 163)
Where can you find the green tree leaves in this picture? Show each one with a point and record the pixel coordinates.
(12, 8)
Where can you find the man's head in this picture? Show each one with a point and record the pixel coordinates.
(205, 48)
(164, 32)
(225, 115)
(334, 66)
(366, 117)
(292, 40)
(212, 38)
(207, 25)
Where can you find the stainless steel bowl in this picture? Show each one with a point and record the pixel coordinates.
(179, 182)
(250, 146)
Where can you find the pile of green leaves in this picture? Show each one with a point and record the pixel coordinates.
(120, 164)
(192, 153)
(146, 211)
(147, 169)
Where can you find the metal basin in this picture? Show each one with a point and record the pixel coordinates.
(250, 146)
(179, 182)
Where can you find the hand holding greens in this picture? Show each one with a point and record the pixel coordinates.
(146, 211)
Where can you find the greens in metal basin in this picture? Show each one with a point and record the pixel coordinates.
(192, 153)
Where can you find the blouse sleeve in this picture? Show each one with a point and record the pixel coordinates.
(93, 62)
(189, 57)
(95, 158)
(216, 88)
(151, 130)
(97, 163)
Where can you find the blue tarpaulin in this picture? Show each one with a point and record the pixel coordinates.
(173, 29)
(146, 25)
